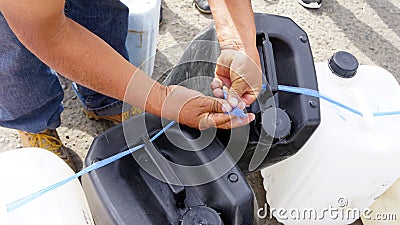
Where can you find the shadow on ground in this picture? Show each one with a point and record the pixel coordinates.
(377, 48)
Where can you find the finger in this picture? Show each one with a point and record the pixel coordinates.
(237, 93)
(206, 123)
(222, 70)
(224, 121)
(249, 98)
(215, 105)
(224, 62)
(241, 105)
(213, 119)
(218, 93)
(233, 98)
(239, 87)
(237, 122)
(226, 81)
(216, 83)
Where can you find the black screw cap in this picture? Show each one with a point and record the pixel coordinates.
(343, 64)
(276, 122)
(201, 215)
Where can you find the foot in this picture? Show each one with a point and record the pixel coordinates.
(48, 140)
(311, 4)
(202, 6)
(116, 119)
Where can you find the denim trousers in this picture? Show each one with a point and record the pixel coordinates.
(30, 92)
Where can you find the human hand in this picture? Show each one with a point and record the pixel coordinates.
(239, 74)
(196, 110)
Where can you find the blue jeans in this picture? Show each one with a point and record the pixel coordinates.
(30, 92)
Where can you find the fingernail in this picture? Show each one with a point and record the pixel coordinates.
(233, 102)
(218, 93)
(214, 85)
(226, 107)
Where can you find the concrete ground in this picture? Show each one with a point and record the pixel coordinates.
(369, 29)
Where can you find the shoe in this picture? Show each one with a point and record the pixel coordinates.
(202, 6)
(311, 4)
(116, 119)
(48, 140)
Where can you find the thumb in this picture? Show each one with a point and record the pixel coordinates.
(236, 92)
(216, 116)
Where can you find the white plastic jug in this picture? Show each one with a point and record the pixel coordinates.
(349, 161)
(141, 40)
(3, 213)
(26, 171)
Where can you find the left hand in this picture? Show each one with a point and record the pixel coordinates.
(192, 108)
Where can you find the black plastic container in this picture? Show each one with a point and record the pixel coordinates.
(124, 193)
(148, 188)
(286, 59)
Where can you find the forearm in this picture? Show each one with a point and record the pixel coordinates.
(234, 21)
(81, 56)
(238, 67)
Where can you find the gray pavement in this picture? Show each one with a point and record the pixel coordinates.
(370, 29)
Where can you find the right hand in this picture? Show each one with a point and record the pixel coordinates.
(239, 74)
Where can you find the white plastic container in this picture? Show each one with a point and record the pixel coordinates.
(26, 171)
(141, 41)
(349, 161)
(4, 220)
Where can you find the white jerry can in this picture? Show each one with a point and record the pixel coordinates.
(141, 40)
(350, 160)
(27, 171)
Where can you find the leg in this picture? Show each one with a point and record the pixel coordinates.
(30, 96)
(30, 92)
(108, 19)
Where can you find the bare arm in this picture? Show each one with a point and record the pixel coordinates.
(238, 67)
(234, 21)
(75, 52)
(81, 56)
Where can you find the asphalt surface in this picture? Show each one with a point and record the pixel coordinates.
(369, 29)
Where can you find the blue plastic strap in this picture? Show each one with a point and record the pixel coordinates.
(392, 113)
(235, 111)
(16, 204)
(297, 90)
(317, 94)
(314, 93)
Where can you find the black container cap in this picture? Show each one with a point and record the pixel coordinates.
(343, 64)
(276, 122)
(201, 215)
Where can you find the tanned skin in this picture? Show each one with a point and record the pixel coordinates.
(78, 54)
